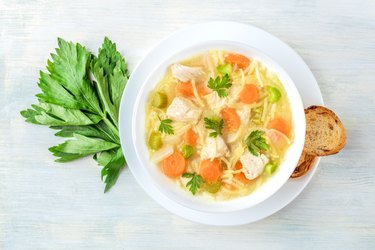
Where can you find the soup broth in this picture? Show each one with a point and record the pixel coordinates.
(218, 124)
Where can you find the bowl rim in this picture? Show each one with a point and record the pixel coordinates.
(301, 134)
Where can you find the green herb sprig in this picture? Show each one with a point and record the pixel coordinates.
(214, 124)
(195, 182)
(80, 97)
(220, 85)
(165, 126)
(255, 142)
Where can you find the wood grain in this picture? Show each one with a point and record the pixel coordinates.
(46, 205)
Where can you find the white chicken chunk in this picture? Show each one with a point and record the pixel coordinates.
(244, 113)
(253, 165)
(186, 73)
(182, 109)
(214, 147)
(215, 102)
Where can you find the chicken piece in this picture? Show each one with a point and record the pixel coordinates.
(244, 113)
(186, 73)
(215, 102)
(253, 165)
(213, 148)
(182, 109)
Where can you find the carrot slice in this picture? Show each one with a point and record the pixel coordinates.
(280, 124)
(231, 119)
(278, 139)
(241, 176)
(190, 137)
(174, 165)
(210, 170)
(241, 61)
(185, 89)
(249, 94)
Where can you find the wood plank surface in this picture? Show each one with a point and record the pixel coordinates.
(47, 205)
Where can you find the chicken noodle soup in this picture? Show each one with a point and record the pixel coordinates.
(218, 124)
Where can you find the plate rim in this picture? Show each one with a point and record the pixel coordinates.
(125, 128)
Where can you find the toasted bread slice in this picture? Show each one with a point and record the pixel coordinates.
(305, 163)
(325, 134)
(302, 158)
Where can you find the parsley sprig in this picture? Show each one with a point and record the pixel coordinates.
(165, 126)
(195, 182)
(256, 142)
(215, 124)
(220, 85)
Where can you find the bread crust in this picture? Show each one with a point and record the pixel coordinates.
(305, 163)
(320, 140)
(321, 123)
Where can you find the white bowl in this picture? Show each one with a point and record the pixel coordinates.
(159, 61)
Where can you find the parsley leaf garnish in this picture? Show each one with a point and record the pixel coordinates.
(220, 85)
(256, 142)
(195, 182)
(165, 126)
(80, 97)
(214, 124)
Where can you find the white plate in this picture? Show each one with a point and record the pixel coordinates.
(288, 59)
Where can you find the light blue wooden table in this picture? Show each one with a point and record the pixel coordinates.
(46, 205)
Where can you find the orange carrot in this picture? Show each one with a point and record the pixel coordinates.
(231, 119)
(280, 124)
(174, 165)
(185, 89)
(249, 94)
(210, 170)
(241, 176)
(241, 61)
(278, 139)
(190, 137)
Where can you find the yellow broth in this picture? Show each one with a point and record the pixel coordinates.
(257, 116)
